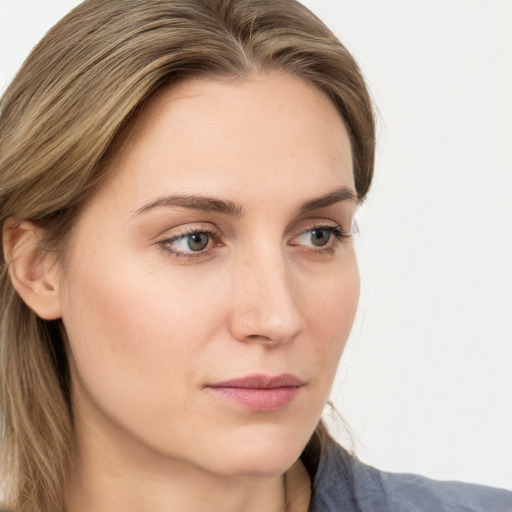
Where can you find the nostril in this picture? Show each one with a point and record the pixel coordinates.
(262, 339)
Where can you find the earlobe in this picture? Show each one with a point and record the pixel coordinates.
(32, 270)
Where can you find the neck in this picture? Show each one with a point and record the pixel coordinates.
(107, 487)
(134, 490)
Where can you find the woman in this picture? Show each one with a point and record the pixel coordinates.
(179, 180)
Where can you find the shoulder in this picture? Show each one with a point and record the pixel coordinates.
(413, 492)
(342, 482)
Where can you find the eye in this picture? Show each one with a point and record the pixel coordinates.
(323, 237)
(320, 237)
(189, 243)
(196, 241)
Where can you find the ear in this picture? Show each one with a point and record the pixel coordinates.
(33, 270)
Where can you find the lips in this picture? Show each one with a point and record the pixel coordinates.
(259, 392)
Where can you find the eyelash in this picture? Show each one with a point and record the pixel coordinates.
(338, 236)
(166, 245)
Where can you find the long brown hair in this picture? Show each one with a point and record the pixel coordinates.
(61, 117)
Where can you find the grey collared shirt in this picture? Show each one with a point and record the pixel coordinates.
(344, 484)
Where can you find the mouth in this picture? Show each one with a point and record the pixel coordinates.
(259, 392)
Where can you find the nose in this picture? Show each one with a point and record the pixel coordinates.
(265, 308)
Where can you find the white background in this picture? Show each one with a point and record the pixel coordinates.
(425, 384)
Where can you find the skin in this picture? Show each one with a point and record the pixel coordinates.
(149, 329)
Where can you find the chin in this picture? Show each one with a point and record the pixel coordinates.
(264, 454)
(265, 465)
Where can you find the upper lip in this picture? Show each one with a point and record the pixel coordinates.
(285, 380)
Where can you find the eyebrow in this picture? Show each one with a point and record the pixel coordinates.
(232, 209)
(192, 202)
(336, 196)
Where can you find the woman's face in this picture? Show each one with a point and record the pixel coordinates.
(211, 284)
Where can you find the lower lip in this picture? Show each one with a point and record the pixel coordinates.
(259, 399)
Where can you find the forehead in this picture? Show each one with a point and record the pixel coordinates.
(210, 135)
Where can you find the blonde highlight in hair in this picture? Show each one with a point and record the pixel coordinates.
(60, 121)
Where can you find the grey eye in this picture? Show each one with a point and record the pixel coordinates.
(197, 241)
(320, 237)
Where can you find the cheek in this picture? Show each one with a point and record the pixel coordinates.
(330, 314)
(136, 336)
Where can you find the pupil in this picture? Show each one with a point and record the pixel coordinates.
(320, 237)
(197, 241)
